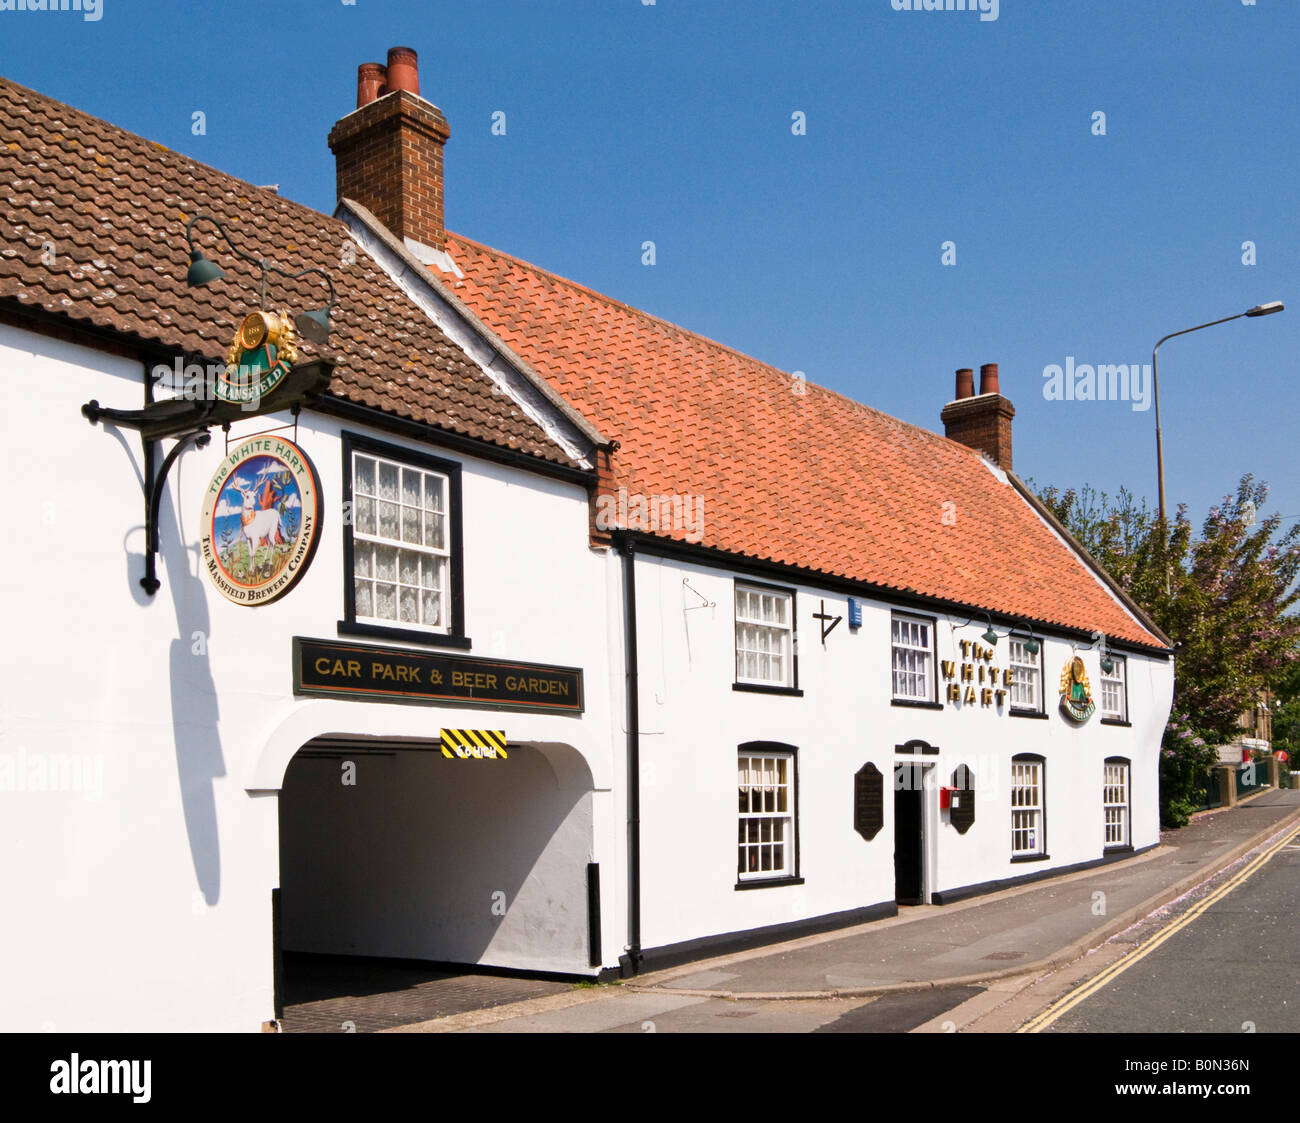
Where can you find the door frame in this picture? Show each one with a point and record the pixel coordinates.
(929, 822)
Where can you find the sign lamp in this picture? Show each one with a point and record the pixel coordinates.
(314, 325)
(1107, 663)
(990, 637)
(201, 270)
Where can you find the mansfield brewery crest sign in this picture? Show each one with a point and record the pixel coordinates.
(1076, 694)
(261, 520)
(263, 352)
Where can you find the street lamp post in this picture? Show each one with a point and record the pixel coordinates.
(1258, 310)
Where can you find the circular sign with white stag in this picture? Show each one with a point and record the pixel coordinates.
(261, 520)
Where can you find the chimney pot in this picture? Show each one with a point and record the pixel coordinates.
(403, 70)
(372, 80)
(984, 422)
(388, 152)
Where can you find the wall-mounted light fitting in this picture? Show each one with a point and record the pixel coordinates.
(990, 636)
(314, 324)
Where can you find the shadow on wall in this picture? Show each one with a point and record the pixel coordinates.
(199, 759)
(406, 854)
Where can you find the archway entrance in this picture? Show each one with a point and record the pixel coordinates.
(413, 884)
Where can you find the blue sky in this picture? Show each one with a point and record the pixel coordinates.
(672, 122)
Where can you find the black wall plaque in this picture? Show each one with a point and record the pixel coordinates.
(386, 674)
(868, 801)
(963, 815)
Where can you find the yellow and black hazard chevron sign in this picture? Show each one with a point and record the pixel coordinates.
(474, 744)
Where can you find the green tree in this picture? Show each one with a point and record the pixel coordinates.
(1286, 717)
(1222, 595)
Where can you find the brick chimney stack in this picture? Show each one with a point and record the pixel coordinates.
(388, 152)
(980, 421)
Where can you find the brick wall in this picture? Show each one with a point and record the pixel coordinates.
(982, 422)
(606, 484)
(388, 157)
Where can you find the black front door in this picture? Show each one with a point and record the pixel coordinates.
(908, 792)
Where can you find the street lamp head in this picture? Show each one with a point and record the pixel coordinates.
(1266, 309)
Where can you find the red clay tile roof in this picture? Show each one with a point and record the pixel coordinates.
(114, 206)
(810, 480)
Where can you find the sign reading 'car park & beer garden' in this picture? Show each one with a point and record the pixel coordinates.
(381, 674)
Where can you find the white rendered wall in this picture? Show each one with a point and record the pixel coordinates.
(693, 721)
(144, 903)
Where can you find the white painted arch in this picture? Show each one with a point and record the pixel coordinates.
(560, 738)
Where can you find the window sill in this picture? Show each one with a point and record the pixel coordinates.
(1117, 721)
(1029, 713)
(769, 882)
(760, 688)
(403, 635)
(916, 704)
(1127, 848)
(1016, 859)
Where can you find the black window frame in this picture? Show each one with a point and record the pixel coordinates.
(455, 637)
(796, 877)
(1024, 711)
(1041, 761)
(916, 703)
(1118, 847)
(1123, 722)
(762, 687)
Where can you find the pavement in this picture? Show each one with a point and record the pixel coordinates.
(1010, 933)
(340, 994)
(871, 977)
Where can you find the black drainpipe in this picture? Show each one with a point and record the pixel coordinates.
(631, 962)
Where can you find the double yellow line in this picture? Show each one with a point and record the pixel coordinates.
(1061, 1006)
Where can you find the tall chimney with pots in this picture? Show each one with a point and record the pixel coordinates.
(388, 151)
(980, 421)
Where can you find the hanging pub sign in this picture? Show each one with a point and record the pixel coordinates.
(1076, 694)
(261, 520)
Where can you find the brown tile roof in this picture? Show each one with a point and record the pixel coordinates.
(114, 206)
(811, 480)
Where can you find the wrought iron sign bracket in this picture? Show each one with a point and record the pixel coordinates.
(225, 428)
(188, 423)
(168, 418)
(704, 601)
(823, 616)
(199, 438)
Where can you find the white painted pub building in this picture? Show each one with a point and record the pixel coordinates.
(498, 624)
